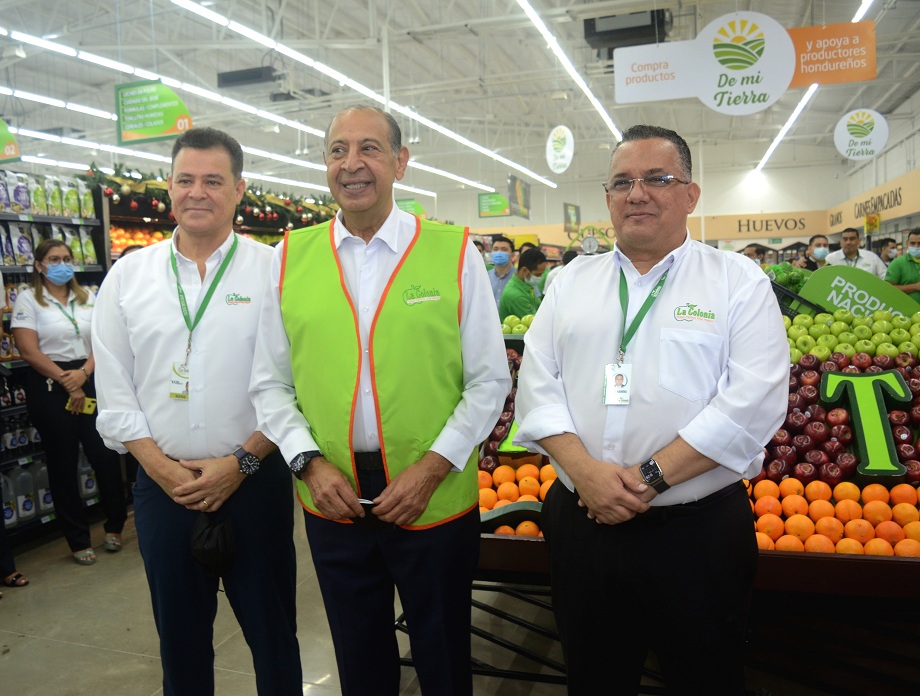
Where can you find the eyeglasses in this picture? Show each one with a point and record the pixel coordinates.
(625, 185)
(56, 260)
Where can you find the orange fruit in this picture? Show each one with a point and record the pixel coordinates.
(847, 545)
(903, 493)
(912, 530)
(501, 503)
(847, 509)
(528, 499)
(878, 547)
(527, 528)
(747, 486)
(876, 511)
(547, 473)
(799, 526)
(820, 508)
(788, 542)
(485, 479)
(544, 488)
(504, 529)
(767, 504)
(502, 474)
(525, 470)
(771, 525)
(763, 541)
(765, 487)
(817, 490)
(818, 543)
(845, 490)
(487, 498)
(889, 531)
(907, 547)
(529, 486)
(861, 530)
(904, 513)
(875, 491)
(794, 504)
(509, 491)
(790, 486)
(830, 527)
(483, 509)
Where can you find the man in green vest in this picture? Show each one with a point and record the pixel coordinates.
(904, 271)
(518, 297)
(380, 367)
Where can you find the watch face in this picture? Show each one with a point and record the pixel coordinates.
(297, 464)
(650, 470)
(249, 464)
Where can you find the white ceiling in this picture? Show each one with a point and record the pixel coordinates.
(478, 67)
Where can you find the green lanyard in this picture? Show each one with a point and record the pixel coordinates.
(627, 334)
(183, 303)
(72, 317)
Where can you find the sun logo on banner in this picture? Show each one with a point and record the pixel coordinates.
(860, 124)
(738, 45)
(560, 136)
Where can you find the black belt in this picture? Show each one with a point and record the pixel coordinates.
(369, 461)
(684, 509)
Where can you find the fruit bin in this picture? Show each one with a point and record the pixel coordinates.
(791, 304)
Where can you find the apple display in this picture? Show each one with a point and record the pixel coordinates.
(873, 370)
(880, 338)
(795, 405)
(795, 355)
(838, 327)
(901, 322)
(847, 461)
(862, 320)
(817, 431)
(803, 320)
(830, 473)
(905, 451)
(842, 359)
(816, 412)
(829, 366)
(828, 340)
(844, 315)
(781, 437)
(864, 345)
(488, 463)
(881, 327)
(805, 343)
(810, 377)
(816, 330)
(862, 332)
(912, 475)
(806, 472)
(901, 433)
(821, 352)
(911, 349)
(809, 362)
(898, 336)
(796, 332)
(862, 359)
(843, 433)
(802, 443)
(808, 392)
(832, 447)
(847, 337)
(884, 356)
(846, 349)
(785, 454)
(838, 416)
(777, 470)
(823, 318)
(882, 315)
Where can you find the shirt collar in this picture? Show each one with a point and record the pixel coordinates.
(388, 232)
(218, 255)
(669, 261)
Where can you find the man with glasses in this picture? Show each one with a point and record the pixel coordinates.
(849, 254)
(815, 255)
(649, 531)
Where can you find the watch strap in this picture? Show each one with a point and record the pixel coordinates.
(653, 476)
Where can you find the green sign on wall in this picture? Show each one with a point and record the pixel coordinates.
(149, 111)
(493, 205)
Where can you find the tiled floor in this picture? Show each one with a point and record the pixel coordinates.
(81, 631)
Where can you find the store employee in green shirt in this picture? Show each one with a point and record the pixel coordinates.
(904, 271)
(518, 297)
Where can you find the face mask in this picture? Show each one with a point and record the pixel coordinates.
(821, 253)
(534, 281)
(892, 253)
(914, 251)
(60, 274)
(501, 258)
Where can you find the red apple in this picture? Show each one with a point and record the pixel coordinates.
(914, 385)
(488, 463)
(809, 393)
(795, 404)
(817, 431)
(861, 360)
(795, 422)
(506, 417)
(512, 353)
(777, 470)
(793, 383)
(843, 433)
(810, 377)
(915, 371)
(490, 447)
(803, 444)
(838, 416)
(809, 362)
(872, 370)
(841, 359)
(805, 471)
(829, 366)
(817, 413)
(905, 451)
(898, 417)
(901, 433)
(905, 360)
(499, 433)
(781, 437)
(913, 471)
(784, 454)
(915, 416)
(886, 362)
(905, 372)
(831, 474)
(832, 447)
(795, 369)
(816, 458)
(852, 370)
(847, 462)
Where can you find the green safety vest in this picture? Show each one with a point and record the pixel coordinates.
(414, 351)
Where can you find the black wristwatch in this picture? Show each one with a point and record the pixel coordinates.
(652, 475)
(300, 461)
(249, 463)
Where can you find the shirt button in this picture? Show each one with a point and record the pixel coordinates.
(367, 391)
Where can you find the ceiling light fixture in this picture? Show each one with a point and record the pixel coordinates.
(553, 45)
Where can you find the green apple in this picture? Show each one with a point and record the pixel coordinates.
(511, 320)
(887, 349)
(838, 327)
(881, 326)
(915, 318)
(795, 355)
(821, 352)
(805, 343)
(901, 322)
(805, 320)
(506, 329)
(519, 329)
(828, 340)
(824, 318)
(791, 343)
(846, 348)
(882, 315)
(880, 338)
(864, 345)
(862, 321)
(844, 315)
(787, 322)
(527, 319)
(796, 332)
(908, 347)
(899, 335)
(862, 331)
(848, 337)
(816, 330)
(914, 329)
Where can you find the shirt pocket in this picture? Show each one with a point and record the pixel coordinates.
(690, 363)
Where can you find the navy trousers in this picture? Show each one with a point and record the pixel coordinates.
(358, 566)
(260, 586)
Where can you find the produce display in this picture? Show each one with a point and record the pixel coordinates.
(516, 325)
(127, 236)
(788, 276)
(880, 333)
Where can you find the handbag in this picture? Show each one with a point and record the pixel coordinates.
(212, 544)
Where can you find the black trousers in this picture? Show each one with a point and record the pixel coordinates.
(260, 586)
(676, 581)
(62, 432)
(358, 567)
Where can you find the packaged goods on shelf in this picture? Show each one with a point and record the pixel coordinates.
(21, 243)
(88, 247)
(54, 195)
(6, 247)
(38, 198)
(17, 186)
(70, 198)
(87, 205)
(4, 194)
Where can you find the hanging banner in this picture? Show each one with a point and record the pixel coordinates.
(410, 205)
(10, 146)
(571, 218)
(834, 53)
(560, 149)
(519, 196)
(149, 111)
(861, 134)
(493, 205)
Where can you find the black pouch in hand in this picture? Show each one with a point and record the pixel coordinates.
(212, 543)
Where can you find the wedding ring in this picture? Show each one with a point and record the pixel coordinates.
(204, 503)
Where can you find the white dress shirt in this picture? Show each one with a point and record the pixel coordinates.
(139, 334)
(367, 268)
(865, 260)
(57, 337)
(710, 363)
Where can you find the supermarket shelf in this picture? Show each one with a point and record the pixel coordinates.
(53, 219)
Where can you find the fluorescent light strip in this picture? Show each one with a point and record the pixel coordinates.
(105, 62)
(44, 161)
(553, 45)
(99, 113)
(346, 81)
(861, 12)
(42, 43)
(441, 172)
(50, 101)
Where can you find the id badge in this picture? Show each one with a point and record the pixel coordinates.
(617, 384)
(179, 381)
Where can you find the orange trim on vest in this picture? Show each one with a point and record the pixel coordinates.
(446, 519)
(283, 263)
(370, 342)
(463, 246)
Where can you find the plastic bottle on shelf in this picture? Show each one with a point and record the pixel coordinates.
(10, 517)
(6, 395)
(42, 488)
(34, 436)
(87, 478)
(19, 395)
(24, 488)
(22, 434)
(10, 441)
(6, 346)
